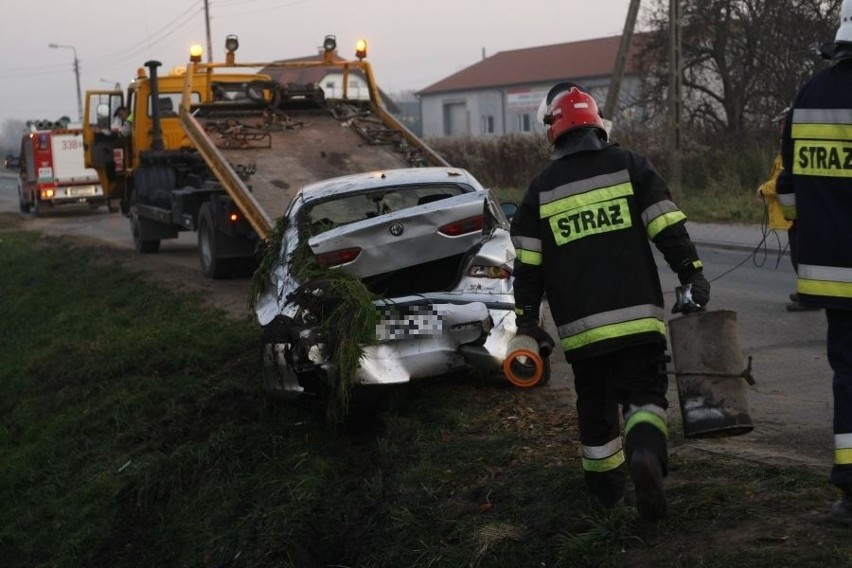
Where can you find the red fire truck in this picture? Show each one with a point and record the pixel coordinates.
(53, 171)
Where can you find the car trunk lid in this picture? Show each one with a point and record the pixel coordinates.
(413, 250)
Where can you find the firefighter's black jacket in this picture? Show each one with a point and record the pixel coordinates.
(815, 186)
(581, 236)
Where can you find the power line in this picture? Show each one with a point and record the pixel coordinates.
(132, 51)
(147, 43)
(32, 72)
(260, 10)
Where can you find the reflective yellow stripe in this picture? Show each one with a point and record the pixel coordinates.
(822, 131)
(822, 158)
(594, 219)
(843, 457)
(528, 256)
(584, 199)
(605, 464)
(664, 221)
(789, 212)
(612, 331)
(825, 288)
(646, 416)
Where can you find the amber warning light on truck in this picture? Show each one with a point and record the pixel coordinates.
(361, 49)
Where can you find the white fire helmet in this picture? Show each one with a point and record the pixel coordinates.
(844, 32)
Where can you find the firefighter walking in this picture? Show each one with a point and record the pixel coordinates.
(582, 237)
(815, 189)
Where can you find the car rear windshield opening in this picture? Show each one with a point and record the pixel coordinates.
(367, 205)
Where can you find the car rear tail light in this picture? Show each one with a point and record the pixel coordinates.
(462, 227)
(338, 257)
(490, 272)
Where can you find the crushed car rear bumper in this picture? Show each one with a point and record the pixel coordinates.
(430, 339)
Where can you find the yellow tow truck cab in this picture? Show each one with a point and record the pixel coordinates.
(115, 154)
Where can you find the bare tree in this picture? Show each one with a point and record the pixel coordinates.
(10, 136)
(743, 60)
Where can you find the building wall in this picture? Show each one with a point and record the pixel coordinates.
(505, 110)
(448, 114)
(332, 84)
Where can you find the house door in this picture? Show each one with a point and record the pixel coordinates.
(455, 119)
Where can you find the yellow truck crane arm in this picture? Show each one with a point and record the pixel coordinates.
(224, 172)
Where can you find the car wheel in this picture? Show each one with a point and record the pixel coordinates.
(142, 245)
(208, 246)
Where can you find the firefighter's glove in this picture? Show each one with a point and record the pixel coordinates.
(699, 287)
(545, 342)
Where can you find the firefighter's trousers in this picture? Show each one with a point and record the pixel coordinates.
(840, 358)
(630, 383)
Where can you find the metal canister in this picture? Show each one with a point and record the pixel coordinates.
(712, 379)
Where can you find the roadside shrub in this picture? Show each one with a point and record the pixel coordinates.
(503, 162)
(719, 181)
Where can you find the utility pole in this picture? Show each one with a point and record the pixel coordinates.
(675, 102)
(207, 26)
(76, 75)
(620, 61)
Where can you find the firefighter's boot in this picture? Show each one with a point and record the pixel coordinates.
(647, 474)
(607, 488)
(841, 511)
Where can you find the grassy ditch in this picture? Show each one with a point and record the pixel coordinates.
(133, 433)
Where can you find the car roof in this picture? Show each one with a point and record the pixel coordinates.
(366, 181)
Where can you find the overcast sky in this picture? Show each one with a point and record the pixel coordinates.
(411, 44)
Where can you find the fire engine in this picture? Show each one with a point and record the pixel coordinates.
(53, 171)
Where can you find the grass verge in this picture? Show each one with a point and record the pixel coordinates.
(133, 433)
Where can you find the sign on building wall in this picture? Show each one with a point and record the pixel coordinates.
(524, 100)
(521, 108)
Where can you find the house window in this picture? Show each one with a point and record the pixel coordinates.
(488, 124)
(524, 123)
(329, 85)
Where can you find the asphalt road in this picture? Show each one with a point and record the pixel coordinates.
(790, 404)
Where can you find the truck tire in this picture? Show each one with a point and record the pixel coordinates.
(143, 246)
(209, 241)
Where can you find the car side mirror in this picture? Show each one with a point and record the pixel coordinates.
(509, 209)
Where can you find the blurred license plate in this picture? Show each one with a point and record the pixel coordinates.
(84, 190)
(403, 322)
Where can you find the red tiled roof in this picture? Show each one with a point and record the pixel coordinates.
(549, 63)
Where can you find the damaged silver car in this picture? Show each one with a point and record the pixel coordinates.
(431, 249)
